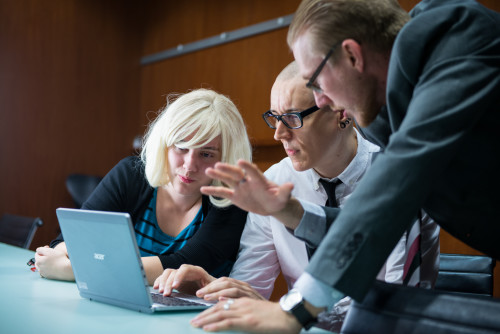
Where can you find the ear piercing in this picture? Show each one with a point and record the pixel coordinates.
(345, 123)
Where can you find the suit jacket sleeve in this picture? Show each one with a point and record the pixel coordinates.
(443, 79)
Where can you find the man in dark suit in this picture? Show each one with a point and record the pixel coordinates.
(430, 98)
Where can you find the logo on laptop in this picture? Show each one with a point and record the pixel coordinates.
(82, 285)
(98, 256)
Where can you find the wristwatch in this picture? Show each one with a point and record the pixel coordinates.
(293, 303)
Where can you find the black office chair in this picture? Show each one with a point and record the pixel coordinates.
(390, 308)
(18, 230)
(80, 186)
(467, 274)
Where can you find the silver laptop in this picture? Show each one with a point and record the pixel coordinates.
(107, 263)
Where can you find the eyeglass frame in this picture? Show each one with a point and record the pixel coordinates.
(310, 84)
(299, 114)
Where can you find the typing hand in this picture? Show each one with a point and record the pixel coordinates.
(226, 287)
(186, 279)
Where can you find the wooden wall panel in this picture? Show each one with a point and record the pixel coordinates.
(170, 23)
(69, 98)
(244, 70)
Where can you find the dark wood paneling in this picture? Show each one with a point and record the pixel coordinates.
(243, 70)
(170, 23)
(68, 98)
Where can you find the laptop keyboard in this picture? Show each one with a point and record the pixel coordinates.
(172, 301)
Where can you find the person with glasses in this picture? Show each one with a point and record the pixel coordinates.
(160, 189)
(322, 146)
(426, 90)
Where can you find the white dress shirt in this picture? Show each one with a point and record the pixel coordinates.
(267, 247)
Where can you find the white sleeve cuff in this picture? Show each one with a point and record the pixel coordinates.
(316, 292)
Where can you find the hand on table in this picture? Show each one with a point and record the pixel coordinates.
(227, 287)
(248, 315)
(53, 263)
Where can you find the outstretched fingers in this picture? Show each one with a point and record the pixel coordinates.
(229, 174)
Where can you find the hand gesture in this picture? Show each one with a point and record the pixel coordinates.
(248, 188)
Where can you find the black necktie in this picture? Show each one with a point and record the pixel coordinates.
(331, 201)
(330, 192)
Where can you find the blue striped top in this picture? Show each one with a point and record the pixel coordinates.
(151, 239)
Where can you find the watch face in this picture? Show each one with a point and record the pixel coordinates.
(292, 298)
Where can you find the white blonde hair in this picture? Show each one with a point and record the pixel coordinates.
(204, 113)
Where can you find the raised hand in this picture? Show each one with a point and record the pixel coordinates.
(248, 188)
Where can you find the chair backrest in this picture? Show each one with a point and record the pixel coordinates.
(470, 274)
(390, 308)
(18, 230)
(80, 186)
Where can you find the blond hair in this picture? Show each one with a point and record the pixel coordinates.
(204, 113)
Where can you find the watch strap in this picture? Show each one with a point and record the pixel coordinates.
(304, 317)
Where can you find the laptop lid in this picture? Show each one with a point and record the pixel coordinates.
(106, 260)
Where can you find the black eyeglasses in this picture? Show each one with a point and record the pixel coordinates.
(311, 83)
(292, 120)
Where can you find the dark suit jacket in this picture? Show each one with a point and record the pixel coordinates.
(441, 146)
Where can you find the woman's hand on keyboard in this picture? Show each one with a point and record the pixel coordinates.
(186, 279)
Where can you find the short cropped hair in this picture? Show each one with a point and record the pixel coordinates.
(374, 23)
(204, 113)
(291, 71)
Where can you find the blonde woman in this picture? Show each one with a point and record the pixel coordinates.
(174, 222)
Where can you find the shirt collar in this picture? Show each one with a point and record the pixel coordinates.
(356, 168)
